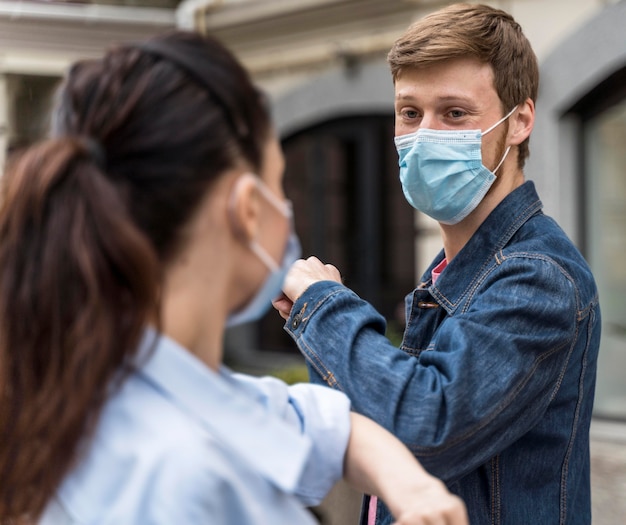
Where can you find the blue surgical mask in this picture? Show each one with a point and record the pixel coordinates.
(272, 286)
(442, 173)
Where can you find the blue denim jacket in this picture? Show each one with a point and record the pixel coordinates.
(492, 387)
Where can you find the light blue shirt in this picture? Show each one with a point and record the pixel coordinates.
(181, 444)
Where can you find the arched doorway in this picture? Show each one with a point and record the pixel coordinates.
(342, 176)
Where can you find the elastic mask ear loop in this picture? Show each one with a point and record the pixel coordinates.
(502, 161)
(283, 207)
(494, 127)
(265, 257)
(489, 130)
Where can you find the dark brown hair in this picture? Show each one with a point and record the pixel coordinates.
(88, 220)
(475, 31)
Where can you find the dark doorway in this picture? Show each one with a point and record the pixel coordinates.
(342, 176)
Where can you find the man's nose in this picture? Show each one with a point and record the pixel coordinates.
(428, 121)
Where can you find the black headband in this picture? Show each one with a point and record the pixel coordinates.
(167, 52)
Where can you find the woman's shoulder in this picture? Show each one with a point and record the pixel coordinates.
(159, 466)
(144, 449)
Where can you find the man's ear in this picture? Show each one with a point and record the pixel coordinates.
(243, 207)
(522, 122)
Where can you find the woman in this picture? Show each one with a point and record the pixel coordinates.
(153, 219)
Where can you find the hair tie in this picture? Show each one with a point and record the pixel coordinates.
(96, 151)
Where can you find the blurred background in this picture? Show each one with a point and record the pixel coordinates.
(322, 62)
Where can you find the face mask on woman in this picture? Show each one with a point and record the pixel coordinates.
(272, 286)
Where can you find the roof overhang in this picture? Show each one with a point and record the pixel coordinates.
(275, 35)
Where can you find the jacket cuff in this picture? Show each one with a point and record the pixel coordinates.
(312, 298)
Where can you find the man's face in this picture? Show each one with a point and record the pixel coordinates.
(457, 94)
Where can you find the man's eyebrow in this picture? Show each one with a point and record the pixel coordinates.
(442, 98)
(402, 96)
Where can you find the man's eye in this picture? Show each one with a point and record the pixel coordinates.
(457, 113)
(410, 113)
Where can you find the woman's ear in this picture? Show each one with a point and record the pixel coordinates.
(243, 208)
(522, 122)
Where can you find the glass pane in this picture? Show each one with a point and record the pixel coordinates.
(605, 137)
(29, 111)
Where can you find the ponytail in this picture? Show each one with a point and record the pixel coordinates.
(78, 282)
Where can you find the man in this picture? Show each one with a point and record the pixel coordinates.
(492, 387)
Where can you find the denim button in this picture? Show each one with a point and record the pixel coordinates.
(427, 304)
(296, 321)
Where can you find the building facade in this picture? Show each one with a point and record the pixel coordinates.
(323, 64)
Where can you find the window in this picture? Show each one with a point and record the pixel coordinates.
(604, 202)
(30, 100)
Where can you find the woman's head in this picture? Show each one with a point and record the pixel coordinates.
(171, 115)
(88, 222)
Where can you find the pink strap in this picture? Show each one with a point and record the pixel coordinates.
(371, 511)
(438, 269)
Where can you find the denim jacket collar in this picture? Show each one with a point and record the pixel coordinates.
(491, 237)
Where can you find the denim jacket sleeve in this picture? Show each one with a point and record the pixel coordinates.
(465, 384)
